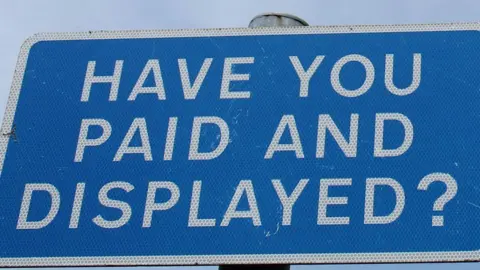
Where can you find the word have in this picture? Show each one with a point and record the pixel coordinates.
(191, 89)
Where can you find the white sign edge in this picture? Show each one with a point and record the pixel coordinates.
(311, 258)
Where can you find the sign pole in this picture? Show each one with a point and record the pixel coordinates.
(269, 20)
(276, 20)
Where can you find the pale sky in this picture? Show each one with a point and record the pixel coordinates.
(20, 19)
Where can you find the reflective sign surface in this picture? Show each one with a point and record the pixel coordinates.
(301, 145)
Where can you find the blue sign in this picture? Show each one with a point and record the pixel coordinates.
(296, 145)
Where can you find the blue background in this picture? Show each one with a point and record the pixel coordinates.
(443, 112)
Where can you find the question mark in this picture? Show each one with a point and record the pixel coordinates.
(450, 182)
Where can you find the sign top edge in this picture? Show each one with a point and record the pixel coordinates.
(216, 32)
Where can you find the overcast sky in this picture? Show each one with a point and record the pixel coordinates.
(20, 19)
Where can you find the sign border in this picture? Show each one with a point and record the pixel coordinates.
(310, 258)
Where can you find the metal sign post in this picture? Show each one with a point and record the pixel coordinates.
(276, 20)
(252, 146)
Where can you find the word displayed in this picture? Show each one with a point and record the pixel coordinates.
(244, 189)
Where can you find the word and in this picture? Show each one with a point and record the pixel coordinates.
(287, 125)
